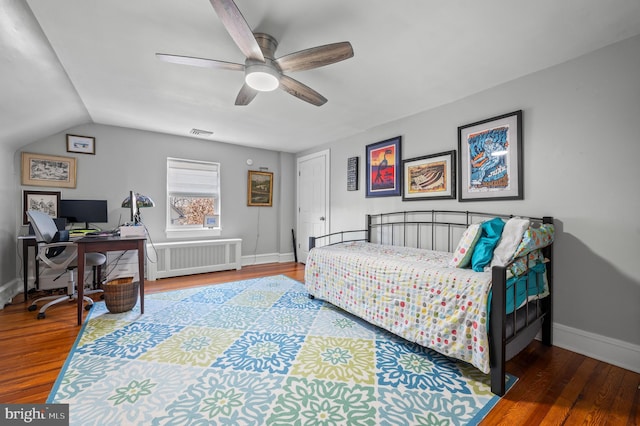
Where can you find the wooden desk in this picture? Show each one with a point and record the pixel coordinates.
(95, 244)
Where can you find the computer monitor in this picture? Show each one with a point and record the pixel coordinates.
(84, 211)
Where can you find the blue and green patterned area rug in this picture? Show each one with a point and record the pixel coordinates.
(258, 352)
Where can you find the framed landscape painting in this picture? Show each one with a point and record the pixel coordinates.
(260, 189)
(490, 163)
(81, 144)
(430, 177)
(383, 168)
(48, 170)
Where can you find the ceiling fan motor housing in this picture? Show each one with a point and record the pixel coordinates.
(262, 76)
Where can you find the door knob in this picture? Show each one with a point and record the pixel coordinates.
(321, 217)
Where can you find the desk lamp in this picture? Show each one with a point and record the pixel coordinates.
(135, 202)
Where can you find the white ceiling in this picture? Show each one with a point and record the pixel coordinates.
(410, 56)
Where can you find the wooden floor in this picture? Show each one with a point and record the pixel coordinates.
(555, 386)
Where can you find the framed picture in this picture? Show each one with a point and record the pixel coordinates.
(352, 173)
(43, 201)
(383, 168)
(81, 144)
(430, 177)
(48, 170)
(212, 221)
(490, 163)
(260, 188)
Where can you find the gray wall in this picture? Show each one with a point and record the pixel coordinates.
(128, 159)
(581, 152)
(8, 208)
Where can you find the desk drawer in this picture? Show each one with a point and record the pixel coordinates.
(121, 264)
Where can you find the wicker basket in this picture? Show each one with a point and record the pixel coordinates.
(120, 295)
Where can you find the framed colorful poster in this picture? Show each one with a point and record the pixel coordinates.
(490, 163)
(430, 177)
(383, 168)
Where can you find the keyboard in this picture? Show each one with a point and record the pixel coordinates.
(102, 234)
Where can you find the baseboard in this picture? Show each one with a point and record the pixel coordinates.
(613, 351)
(259, 259)
(286, 257)
(9, 290)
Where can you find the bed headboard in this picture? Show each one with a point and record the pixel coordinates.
(428, 229)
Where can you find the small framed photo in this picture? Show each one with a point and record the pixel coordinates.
(260, 189)
(212, 221)
(383, 168)
(43, 201)
(490, 163)
(48, 170)
(352, 173)
(430, 177)
(81, 144)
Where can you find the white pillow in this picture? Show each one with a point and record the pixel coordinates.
(509, 241)
(464, 251)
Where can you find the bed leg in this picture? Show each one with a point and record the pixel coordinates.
(497, 338)
(498, 380)
(547, 326)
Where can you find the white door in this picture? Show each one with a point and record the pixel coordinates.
(313, 200)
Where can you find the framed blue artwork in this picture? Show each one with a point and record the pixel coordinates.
(490, 159)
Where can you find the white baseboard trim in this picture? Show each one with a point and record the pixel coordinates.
(286, 257)
(613, 351)
(9, 290)
(267, 258)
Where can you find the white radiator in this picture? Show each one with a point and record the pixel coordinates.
(193, 257)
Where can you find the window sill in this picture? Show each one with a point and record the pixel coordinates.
(193, 233)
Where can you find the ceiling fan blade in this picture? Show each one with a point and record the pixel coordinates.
(238, 28)
(315, 57)
(200, 62)
(299, 90)
(246, 95)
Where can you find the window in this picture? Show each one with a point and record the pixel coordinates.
(193, 192)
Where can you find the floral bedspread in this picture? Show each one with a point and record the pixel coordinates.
(410, 292)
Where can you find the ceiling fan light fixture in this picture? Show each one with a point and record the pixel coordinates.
(262, 77)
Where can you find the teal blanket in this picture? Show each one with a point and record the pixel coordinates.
(530, 284)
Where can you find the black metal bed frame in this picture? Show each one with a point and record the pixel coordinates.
(508, 334)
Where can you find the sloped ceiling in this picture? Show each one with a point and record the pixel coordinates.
(78, 61)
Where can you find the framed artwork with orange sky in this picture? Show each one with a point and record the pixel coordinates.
(383, 168)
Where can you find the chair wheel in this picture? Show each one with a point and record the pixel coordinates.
(32, 308)
(87, 307)
(41, 315)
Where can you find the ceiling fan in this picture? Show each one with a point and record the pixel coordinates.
(263, 72)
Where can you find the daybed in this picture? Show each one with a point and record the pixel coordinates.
(472, 286)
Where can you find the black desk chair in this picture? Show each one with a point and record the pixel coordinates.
(57, 259)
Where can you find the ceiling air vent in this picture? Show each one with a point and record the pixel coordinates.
(198, 132)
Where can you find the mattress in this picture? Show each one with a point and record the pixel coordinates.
(410, 292)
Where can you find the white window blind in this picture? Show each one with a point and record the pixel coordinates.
(193, 178)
